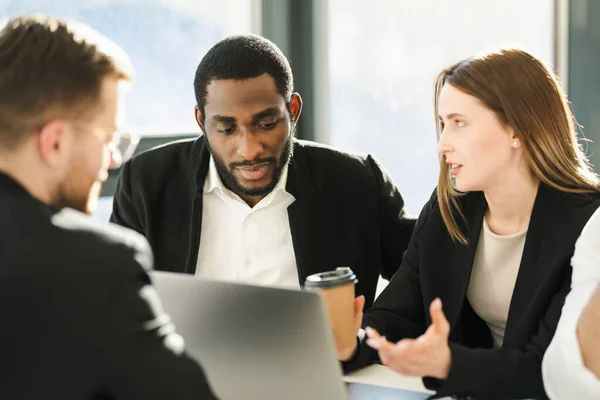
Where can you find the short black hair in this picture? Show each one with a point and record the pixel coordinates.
(243, 57)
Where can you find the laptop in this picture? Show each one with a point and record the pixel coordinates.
(254, 342)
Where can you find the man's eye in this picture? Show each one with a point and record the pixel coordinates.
(268, 125)
(226, 131)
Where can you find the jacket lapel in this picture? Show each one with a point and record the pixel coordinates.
(546, 218)
(464, 256)
(198, 167)
(303, 214)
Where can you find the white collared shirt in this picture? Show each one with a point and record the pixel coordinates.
(243, 244)
(565, 375)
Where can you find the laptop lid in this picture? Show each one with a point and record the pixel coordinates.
(254, 342)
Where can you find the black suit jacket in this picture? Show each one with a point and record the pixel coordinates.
(78, 320)
(435, 266)
(347, 211)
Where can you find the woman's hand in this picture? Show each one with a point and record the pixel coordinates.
(428, 355)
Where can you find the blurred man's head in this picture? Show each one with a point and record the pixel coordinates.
(60, 99)
(247, 109)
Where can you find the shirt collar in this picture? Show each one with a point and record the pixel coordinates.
(213, 180)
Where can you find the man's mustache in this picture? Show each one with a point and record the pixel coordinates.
(270, 160)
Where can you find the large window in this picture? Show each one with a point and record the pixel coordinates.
(166, 40)
(584, 65)
(384, 56)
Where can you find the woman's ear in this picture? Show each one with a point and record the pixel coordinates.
(515, 142)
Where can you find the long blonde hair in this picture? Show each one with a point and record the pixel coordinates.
(525, 95)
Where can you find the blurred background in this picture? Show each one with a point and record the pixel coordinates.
(365, 69)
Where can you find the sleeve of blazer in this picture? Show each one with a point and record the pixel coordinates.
(143, 357)
(497, 373)
(124, 210)
(398, 312)
(397, 225)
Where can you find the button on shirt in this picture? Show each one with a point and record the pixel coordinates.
(246, 244)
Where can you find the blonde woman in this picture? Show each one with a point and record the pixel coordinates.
(476, 300)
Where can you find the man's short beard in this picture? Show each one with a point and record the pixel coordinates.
(231, 183)
(77, 202)
(77, 193)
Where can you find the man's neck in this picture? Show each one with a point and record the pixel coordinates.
(252, 200)
(20, 168)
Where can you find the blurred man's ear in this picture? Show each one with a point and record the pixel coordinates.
(54, 143)
(199, 119)
(295, 107)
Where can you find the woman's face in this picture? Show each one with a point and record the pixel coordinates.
(477, 146)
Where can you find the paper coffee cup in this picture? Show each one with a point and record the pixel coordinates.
(337, 289)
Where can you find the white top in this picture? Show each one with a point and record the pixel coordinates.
(495, 268)
(243, 244)
(565, 375)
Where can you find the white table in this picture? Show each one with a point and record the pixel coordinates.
(380, 375)
(382, 383)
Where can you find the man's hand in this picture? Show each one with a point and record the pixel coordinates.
(428, 355)
(588, 333)
(347, 354)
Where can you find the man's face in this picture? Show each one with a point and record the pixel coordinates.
(91, 158)
(249, 129)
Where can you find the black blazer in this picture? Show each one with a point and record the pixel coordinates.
(435, 266)
(74, 323)
(347, 211)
